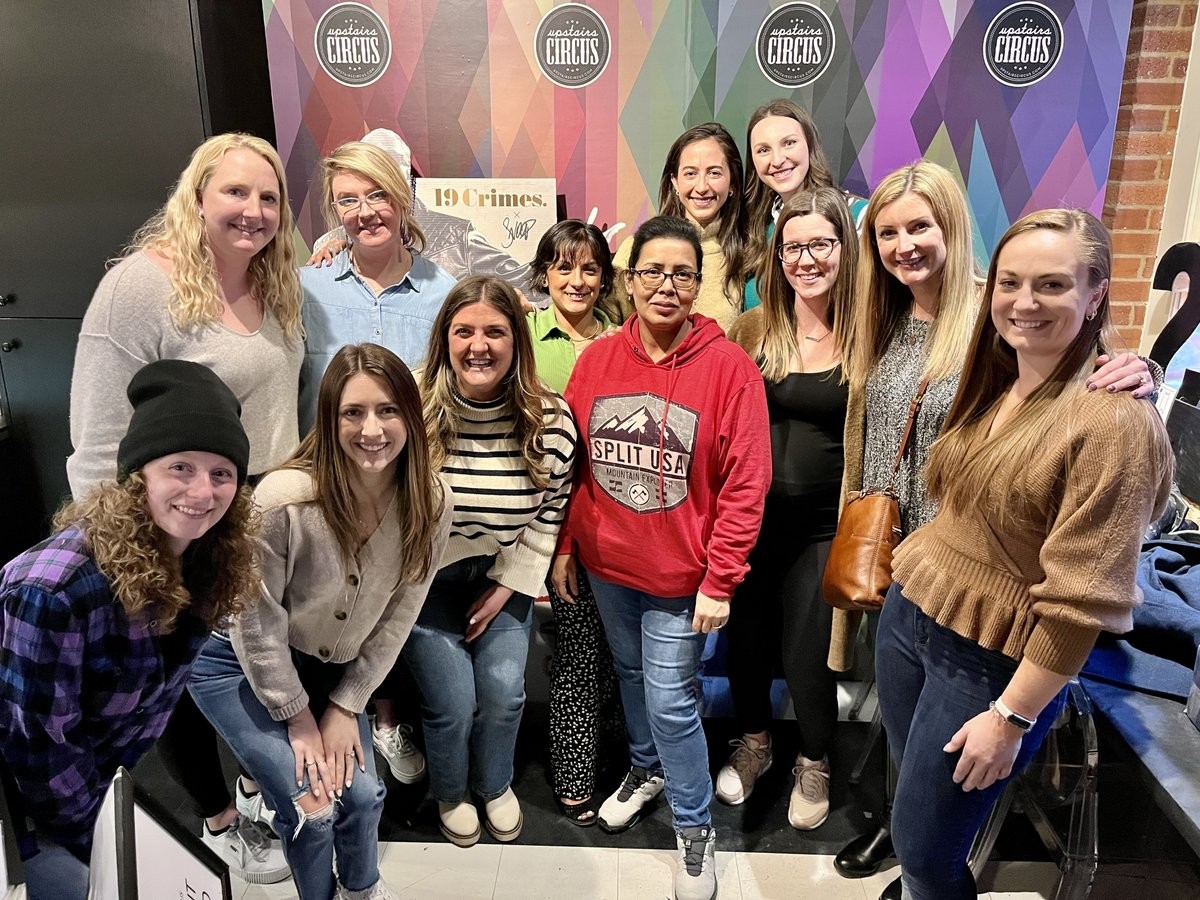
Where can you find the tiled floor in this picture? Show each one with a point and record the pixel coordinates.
(520, 872)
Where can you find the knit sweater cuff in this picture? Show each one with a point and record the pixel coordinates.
(295, 707)
(522, 568)
(352, 695)
(1061, 646)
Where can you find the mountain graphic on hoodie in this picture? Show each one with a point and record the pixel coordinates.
(640, 427)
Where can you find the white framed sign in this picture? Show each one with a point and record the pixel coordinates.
(509, 215)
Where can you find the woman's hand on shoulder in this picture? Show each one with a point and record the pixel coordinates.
(989, 749)
(486, 608)
(323, 255)
(343, 745)
(1123, 372)
(564, 577)
(305, 738)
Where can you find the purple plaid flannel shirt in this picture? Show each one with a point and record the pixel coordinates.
(83, 688)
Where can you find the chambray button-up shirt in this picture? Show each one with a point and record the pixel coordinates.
(339, 308)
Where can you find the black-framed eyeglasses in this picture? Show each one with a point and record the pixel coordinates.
(652, 279)
(374, 200)
(818, 248)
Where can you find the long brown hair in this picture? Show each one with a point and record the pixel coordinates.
(882, 303)
(760, 199)
(960, 470)
(731, 234)
(524, 393)
(131, 551)
(419, 495)
(778, 295)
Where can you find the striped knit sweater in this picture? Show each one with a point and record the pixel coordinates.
(497, 508)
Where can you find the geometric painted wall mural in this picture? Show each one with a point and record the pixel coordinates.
(1018, 99)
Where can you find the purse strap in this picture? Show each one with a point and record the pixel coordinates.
(908, 427)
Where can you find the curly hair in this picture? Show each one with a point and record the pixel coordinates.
(177, 230)
(524, 392)
(215, 577)
(420, 501)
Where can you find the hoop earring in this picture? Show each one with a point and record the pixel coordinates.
(1090, 316)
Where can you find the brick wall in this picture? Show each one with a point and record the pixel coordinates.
(1147, 121)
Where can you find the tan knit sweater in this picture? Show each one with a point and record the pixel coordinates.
(711, 301)
(312, 601)
(1045, 593)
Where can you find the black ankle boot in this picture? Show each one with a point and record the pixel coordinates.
(865, 854)
(893, 891)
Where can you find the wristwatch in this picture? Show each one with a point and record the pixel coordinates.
(1000, 708)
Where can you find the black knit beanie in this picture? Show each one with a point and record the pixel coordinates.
(179, 406)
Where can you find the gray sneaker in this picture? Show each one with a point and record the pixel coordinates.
(403, 757)
(625, 807)
(696, 871)
(808, 806)
(746, 765)
(250, 850)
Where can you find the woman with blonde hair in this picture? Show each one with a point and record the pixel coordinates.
(205, 279)
(916, 304)
(353, 527)
(1045, 491)
(101, 622)
(701, 183)
(210, 278)
(797, 337)
(378, 287)
(506, 444)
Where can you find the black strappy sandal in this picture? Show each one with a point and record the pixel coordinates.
(582, 813)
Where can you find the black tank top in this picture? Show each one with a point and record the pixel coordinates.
(808, 421)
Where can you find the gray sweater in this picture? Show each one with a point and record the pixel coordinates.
(312, 601)
(128, 325)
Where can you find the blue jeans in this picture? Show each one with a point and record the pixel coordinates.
(657, 658)
(223, 694)
(54, 874)
(932, 680)
(472, 695)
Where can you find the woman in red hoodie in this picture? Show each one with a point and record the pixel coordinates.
(666, 508)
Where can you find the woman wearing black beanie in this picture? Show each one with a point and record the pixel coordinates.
(101, 622)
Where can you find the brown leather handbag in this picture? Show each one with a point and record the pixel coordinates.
(859, 570)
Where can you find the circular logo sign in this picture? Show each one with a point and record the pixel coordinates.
(572, 45)
(639, 494)
(795, 45)
(1023, 44)
(353, 45)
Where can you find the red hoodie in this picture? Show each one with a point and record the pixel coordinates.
(668, 498)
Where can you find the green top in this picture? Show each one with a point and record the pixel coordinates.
(553, 349)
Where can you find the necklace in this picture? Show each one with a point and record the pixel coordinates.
(376, 515)
(591, 337)
(817, 340)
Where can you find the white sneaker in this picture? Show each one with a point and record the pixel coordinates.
(250, 850)
(809, 803)
(403, 757)
(696, 869)
(254, 808)
(459, 823)
(747, 763)
(625, 807)
(378, 891)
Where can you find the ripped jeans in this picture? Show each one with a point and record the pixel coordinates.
(221, 691)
